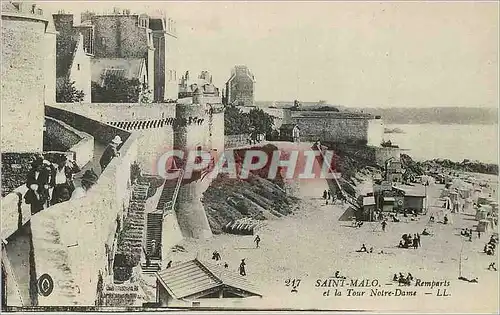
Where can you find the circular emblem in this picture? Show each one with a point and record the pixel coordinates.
(45, 285)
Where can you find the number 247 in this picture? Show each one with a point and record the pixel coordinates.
(292, 282)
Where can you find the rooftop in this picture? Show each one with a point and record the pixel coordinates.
(368, 201)
(192, 277)
(128, 67)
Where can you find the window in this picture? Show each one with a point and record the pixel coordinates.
(78, 67)
(143, 22)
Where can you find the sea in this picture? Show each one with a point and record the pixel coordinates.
(453, 142)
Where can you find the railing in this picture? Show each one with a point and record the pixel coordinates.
(169, 205)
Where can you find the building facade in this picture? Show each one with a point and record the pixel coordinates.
(165, 58)
(240, 88)
(73, 59)
(133, 36)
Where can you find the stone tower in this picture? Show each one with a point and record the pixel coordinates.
(28, 45)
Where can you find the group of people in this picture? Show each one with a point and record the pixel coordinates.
(401, 279)
(490, 247)
(216, 256)
(364, 250)
(328, 195)
(52, 183)
(468, 233)
(408, 241)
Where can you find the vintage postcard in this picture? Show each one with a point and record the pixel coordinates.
(233, 156)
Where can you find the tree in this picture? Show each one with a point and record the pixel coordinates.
(116, 89)
(146, 96)
(261, 121)
(235, 121)
(67, 93)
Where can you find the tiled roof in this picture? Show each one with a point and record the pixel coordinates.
(410, 191)
(232, 279)
(187, 279)
(367, 201)
(192, 277)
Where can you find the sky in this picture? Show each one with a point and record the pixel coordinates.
(359, 54)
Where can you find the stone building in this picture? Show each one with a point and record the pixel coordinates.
(73, 59)
(134, 36)
(204, 82)
(165, 56)
(240, 88)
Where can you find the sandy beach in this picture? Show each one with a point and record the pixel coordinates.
(312, 244)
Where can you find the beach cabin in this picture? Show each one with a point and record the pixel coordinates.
(468, 205)
(413, 198)
(485, 226)
(482, 212)
(369, 206)
(388, 204)
(196, 283)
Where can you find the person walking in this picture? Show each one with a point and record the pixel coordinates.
(242, 268)
(62, 178)
(39, 176)
(110, 152)
(36, 198)
(325, 194)
(257, 241)
(88, 179)
(418, 240)
(384, 224)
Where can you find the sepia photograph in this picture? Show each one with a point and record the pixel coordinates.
(230, 156)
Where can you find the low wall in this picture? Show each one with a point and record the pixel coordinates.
(171, 233)
(370, 154)
(69, 239)
(81, 143)
(234, 141)
(101, 132)
(15, 212)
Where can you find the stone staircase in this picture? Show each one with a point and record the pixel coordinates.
(153, 267)
(154, 232)
(166, 195)
(154, 220)
(133, 234)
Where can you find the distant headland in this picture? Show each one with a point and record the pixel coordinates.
(409, 115)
